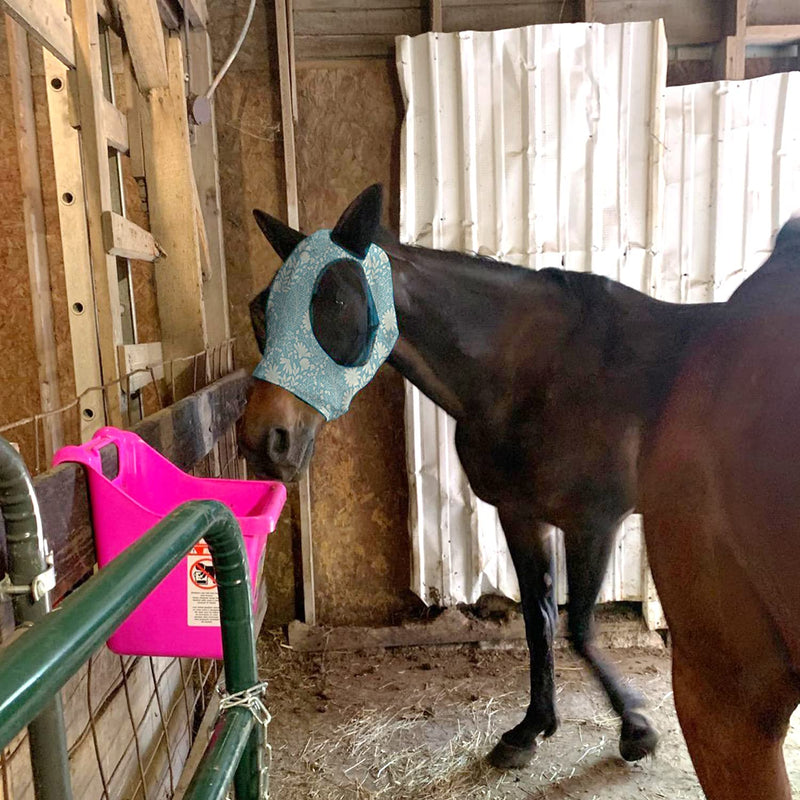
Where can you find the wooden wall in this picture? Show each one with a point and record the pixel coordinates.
(19, 393)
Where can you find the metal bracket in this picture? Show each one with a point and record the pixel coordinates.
(39, 586)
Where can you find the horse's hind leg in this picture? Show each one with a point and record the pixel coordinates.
(587, 554)
(736, 749)
(531, 547)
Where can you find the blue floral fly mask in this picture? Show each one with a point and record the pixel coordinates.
(329, 322)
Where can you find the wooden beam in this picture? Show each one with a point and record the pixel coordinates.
(132, 114)
(585, 11)
(196, 12)
(46, 21)
(729, 59)
(126, 239)
(454, 627)
(115, 125)
(134, 358)
(287, 118)
(293, 218)
(729, 54)
(35, 233)
(171, 202)
(436, 15)
(74, 246)
(772, 34)
(170, 12)
(205, 162)
(141, 24)
(98, 195)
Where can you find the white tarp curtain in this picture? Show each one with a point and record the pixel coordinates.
(543, 146)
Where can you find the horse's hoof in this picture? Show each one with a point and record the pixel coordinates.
(509, 756)
(639, 736)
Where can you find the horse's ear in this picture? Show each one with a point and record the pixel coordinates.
(358, 224)
(282, 238)
(258, 317)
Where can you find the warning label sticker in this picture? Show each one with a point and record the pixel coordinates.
(201, 586)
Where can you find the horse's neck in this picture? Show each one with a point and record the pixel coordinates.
(480, 339)
(454, 315)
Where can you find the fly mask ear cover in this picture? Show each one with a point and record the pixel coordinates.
(293, 358)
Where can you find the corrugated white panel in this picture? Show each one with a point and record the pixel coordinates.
(732, 174)
(536, 146)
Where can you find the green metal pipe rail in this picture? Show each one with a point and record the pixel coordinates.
(38, 664)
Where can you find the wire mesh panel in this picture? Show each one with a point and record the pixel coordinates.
(131, 720)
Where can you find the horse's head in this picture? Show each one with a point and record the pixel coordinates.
(324, 326)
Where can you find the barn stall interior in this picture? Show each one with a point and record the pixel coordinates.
(131, 257)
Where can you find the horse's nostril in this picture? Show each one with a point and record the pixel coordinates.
(278, 443)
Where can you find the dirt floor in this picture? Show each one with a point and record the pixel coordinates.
(417, 723)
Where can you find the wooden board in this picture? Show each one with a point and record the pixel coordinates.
(205, 163)
(36, 243)
(395, 21)
(686, 21)
(141, 24)
(97, 185)
(75, 246)
(126, 239)
(48, 22)
(772, 34)
(454, 627)
(142, 362)
(323, 48)
(115, 125)
(196, 11)
(171, 200)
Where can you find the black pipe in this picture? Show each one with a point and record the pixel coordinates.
(26, 564)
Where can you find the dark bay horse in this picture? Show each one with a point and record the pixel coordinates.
(555, 380)
(720, 492)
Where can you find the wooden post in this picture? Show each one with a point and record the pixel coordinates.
(171, 202)
(436, 15)
(729, 54)
(74, 247)
(97, 181)
(35, 238)
(141, 23)
(205, 161)
(293, 218)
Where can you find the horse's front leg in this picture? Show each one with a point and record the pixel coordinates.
(530, 544)
(588, 548)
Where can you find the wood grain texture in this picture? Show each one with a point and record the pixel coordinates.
(358, 481)
(141, 24)
(35, 231)
(97, 185)
(686, 21)
(171, 203)
(48, 22)
(126, 239)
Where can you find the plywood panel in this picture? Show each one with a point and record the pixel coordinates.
(18, 397)
(359, 494)
(489, 16)
(772, 12)
(686, 21)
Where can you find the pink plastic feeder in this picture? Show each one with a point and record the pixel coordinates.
(181, 616)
